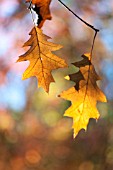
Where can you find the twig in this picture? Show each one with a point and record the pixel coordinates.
(93, 44)
(91, 26)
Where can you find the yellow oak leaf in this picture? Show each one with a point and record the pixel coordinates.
(42, 60)
(84, 95)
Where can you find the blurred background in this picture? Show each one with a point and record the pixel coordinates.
(34, 135)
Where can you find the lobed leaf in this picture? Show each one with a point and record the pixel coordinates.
(84, 95)
(42, 61)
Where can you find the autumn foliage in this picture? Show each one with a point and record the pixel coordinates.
(85, 94)
(34, 134)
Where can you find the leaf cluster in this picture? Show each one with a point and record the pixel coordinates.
(85, 93)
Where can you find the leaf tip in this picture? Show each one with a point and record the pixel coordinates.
(17, 60)
(67, 77)
(23, 78)
(75, 134)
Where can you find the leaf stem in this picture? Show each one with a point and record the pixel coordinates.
(93, 44)
(89, 25)
(89, 68)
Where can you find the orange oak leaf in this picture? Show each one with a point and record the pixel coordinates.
(42, 61)
(42, 9)
(84, 95)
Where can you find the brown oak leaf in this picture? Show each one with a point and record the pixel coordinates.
(42, 9)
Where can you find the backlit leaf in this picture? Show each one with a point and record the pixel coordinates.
(84, 95)
(42, 61)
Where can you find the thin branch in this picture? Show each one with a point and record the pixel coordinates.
(91, 26)
(93, 44)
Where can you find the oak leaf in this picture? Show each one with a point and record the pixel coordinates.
(84, 95)
(42, 61)
(42, 9)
